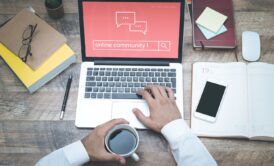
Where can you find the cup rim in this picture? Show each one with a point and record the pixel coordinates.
(127, 127)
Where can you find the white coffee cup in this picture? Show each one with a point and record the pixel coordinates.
(117, 139)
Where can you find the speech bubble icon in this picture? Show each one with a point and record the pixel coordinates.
(139, 26)
(125, 18)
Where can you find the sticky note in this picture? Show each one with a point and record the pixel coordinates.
(211, 19)
(209, 34)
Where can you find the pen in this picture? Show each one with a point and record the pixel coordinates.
(65, 98)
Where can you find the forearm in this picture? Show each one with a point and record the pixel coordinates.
(70, 155)
(187, 149)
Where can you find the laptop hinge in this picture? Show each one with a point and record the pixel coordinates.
(131, 62)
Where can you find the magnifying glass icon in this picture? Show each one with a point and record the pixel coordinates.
(164, 46)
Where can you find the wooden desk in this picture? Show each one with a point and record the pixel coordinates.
(29, 125)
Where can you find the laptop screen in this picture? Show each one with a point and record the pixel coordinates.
(131, 29)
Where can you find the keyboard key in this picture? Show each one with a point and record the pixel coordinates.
(115, 69)
(168, 85)
(128, 69)
(118, 84)
(166, 69)
(89, 69)
(110, 78)
(162, 84)
(87, 95)
(135, 79)
(123, 79)
(121, 69)
(140, 69)
(126, 73)
(99, 83)
(145, 74)
(167, 79)
(137, 85)
(151, 74)
(108, 89)
(130, 84)
(96, 68)
(143, 84)
(153, 69)
(101, 73)
(154, 79)
(95, 73)
(114, 89)
(132, 73)
(147, 69)
(116, 78)
(124, 84)
(120, 90)
(141, 79)
(134, 69)
(114, 73)
(157, 74)
(104, 78)
(173, 70)
(133, 90)
(102, 89)
(160, 79)
(105, 84)
(111, 84)
(109, 69)
(139, 74)
(90, 79)
(99, 95)
(127, 90)
(120, 73)
(93, 95)
(102, 68)
(163, 74)
(148, 79)
(171, 74)
(88, 89)
(129, 79)
(90, 83)
(95, 89)
(160, 69)
(89, 73)
(107, 95)
(125, 96)
(98, 78)
(108, 73)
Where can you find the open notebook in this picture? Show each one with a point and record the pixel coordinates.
(247, 109)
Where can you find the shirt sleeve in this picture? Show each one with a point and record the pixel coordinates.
(187, 148)
(71, 155)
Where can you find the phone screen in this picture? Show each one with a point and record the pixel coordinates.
(211, 99)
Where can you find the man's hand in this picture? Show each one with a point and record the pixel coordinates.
(95, 142)
(162, 107)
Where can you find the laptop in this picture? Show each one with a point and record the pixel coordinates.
(127, 45)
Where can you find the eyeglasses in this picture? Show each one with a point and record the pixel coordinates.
(27, 36)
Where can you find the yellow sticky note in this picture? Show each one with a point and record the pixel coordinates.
(211, 19)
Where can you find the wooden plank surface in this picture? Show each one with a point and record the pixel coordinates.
(29, 125)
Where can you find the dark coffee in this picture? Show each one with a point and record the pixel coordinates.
(122, 141)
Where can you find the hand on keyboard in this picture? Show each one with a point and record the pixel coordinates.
(162, 107)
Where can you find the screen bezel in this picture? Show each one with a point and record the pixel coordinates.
(181, 34)
(207, 117)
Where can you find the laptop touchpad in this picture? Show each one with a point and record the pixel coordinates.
(123, 109)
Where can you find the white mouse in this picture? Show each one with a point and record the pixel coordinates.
(251, 46)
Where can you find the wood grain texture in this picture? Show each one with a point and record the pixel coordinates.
(29, 125)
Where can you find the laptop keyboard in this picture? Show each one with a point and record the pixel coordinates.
(123, 83)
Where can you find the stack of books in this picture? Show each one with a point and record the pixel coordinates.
(34, 50)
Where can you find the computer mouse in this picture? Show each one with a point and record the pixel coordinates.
(251, 46)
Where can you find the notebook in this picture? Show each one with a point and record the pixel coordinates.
(247, 106)
(224, 40)
(46, 40)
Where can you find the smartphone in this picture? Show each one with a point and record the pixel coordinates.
(210, 101)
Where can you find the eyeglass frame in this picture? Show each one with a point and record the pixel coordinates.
(26, 41)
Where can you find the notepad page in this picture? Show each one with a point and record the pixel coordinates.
(232, 119)
(261, 99)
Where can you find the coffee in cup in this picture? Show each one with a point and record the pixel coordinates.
(123, 140)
